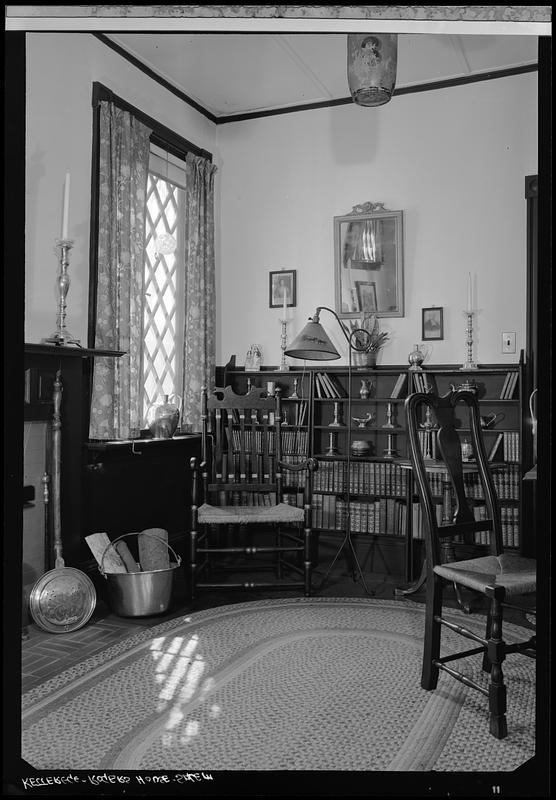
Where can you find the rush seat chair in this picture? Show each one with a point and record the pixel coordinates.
(499, 577)
(240, 521)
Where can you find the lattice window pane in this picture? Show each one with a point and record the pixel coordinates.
(161, 322)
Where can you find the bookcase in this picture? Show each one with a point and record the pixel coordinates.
(321, 403)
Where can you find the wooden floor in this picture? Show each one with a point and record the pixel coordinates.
(45, 655)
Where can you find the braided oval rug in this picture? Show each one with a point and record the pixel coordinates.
(286, 684)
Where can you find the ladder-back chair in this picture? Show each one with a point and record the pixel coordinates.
(238, 506)
(496, 575)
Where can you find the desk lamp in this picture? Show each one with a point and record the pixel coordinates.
(313, 343)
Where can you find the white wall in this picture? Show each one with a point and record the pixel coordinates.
(454, 160)
(61, 68)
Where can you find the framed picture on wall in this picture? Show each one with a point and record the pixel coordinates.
(366, 295)
(433, 323)
(282, 284)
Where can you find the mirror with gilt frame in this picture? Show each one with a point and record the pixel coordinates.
(368, 262)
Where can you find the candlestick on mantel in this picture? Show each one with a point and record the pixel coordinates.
(61, 335)
(469, 295)
(65, 215)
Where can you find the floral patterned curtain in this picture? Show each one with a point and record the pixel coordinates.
(123, 170)
(200, 307)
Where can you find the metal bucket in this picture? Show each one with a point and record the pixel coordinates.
(140, 594)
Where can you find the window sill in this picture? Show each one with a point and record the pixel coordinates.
(137, 445)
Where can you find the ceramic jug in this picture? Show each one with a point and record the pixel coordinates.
(163, 416)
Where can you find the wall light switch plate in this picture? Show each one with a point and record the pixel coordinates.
(508, 342)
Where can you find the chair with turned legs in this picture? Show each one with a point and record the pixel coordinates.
(240, 522)
(501, 578)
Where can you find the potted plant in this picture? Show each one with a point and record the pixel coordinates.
(367, 346)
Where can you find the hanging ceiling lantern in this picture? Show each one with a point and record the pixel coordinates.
(371, 65)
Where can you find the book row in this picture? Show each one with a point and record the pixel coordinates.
(506, 483)
(508, 387)
(509, 523)
(366, 477)
(386, 516)
(294, 414)
(509, 519)
(294, 441)
(329, 387)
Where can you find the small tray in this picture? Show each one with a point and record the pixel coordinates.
(62, 600)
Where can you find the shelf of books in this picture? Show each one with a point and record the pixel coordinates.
(325, 410)
(365, 413)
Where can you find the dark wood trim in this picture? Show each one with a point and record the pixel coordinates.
(93, 227)
(421, 87)
(13, 394)
(151, 74)
(532, 212)
(544, 488)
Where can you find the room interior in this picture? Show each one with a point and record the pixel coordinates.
(455, 149)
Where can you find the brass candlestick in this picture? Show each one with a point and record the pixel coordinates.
(390, 417)
(469, 364)
(283, 344)
(61, 335)
(332, 444)
(391, 451)
(337, 422)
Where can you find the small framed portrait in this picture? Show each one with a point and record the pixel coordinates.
(366, 295)
(282, 284)
(433, 323)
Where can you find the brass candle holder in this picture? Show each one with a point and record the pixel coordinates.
(61, 335)
(469, 364)
(284, 367)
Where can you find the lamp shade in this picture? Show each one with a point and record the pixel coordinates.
(371, 66)
(312, 343)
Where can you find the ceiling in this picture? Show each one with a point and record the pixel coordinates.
(238, 73)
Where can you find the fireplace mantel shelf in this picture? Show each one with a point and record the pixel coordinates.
(70, 352)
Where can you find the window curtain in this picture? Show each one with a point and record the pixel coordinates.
(123, 171)
(199, 355)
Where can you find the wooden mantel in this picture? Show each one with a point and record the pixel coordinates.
(42, 362)
(69, 352)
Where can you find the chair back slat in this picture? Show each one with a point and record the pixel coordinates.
(240, 433)
(254, 459)
(449, 445)
(464, 524)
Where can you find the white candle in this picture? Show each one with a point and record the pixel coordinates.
(65, 217)
(469, 297)
(284, 312)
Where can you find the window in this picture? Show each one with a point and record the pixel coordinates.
(163, 327)
(149, 287)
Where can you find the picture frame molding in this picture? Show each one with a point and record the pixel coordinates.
(292, 275)
(426, 335)
(393, 262)
(358, 289)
